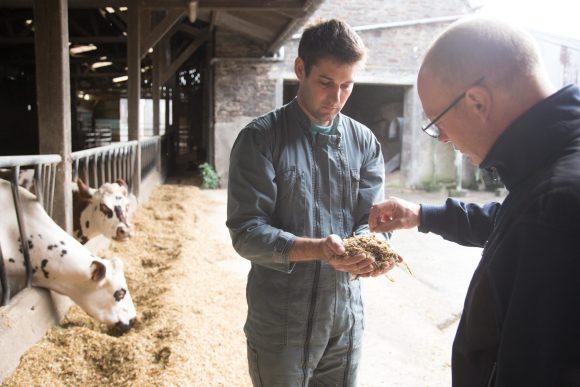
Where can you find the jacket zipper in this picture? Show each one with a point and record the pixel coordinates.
(310, 319)
(316, 274)
(491, 380)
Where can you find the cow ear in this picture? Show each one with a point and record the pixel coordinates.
(83, 189)
(122, 183)
(98, 271)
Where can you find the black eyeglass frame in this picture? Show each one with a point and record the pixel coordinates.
(435, 133)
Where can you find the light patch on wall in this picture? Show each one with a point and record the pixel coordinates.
(553, 16)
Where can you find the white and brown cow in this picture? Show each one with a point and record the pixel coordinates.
(59, 262)
(102, 211)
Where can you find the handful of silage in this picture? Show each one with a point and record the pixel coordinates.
(379, 249)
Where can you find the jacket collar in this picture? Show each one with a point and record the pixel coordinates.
(533, 138)
(304, 120)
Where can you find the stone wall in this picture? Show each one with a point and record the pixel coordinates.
(245, 86)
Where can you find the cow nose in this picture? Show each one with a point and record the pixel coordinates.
(123, 327)
(123, 233)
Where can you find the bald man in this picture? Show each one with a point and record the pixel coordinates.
(484, 88)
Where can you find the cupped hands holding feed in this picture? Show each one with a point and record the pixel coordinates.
(359, 264)
(383, 255)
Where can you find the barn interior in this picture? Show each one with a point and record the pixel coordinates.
(176, 46)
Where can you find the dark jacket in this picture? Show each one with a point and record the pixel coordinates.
(521, 319)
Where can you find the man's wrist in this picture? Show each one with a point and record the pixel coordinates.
(307, 249)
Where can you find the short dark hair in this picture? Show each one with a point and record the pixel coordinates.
(330, 39)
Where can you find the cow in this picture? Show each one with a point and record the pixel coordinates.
(61, 263)
(102, 211)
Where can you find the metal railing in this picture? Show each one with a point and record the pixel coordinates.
(44, 180)
(94, 166)
(150, 155)
(104, 164)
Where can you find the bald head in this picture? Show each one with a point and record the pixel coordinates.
(474, 47)
(492, 70)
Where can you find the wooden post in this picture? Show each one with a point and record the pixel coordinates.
(134, 85)
(53, 98)
(156, 88)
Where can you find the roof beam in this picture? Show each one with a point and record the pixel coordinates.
(180, 60)
(172, 17)
(251, 30)
(72, 39)
(204, 5)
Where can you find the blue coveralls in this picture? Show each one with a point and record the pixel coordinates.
(305, 320)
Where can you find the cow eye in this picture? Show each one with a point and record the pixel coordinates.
(106, 210)
(119, 294)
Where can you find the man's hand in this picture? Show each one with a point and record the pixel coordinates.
(358, 264)
(330, 249)
(393, 214)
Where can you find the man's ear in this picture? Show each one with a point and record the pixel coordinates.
(480, 101)
(299, 68)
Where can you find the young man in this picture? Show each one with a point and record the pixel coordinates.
(301, 179)
(484, 86)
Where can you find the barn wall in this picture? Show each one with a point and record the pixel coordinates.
(562, 57)
(246, 88)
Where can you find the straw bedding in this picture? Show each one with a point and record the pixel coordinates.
(190, 311)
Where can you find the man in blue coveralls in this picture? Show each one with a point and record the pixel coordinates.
(302, 178)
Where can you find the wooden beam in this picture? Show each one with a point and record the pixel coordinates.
(213, 18)
(98, 39)
(53, 98)
(188, 29)
(243, 26)
(172, 17)
(134, 86)
(231, 5)
(97, 75)
(225, 5)
(293, 25)
(156, 89)
(180, 60)
(145, 20)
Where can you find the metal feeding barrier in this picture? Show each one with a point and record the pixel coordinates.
(44, 167)
(94, 166)
(97, 166)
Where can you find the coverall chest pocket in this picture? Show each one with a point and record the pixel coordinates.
(291, 197)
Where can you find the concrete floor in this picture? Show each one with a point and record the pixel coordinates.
(410, 320)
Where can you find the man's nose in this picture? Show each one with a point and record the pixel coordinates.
(334, 94)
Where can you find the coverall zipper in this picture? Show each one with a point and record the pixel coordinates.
(316, 271)
(310, 318)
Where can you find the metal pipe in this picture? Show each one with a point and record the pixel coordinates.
(21, 226)
(4, 281)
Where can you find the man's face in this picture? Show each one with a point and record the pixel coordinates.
(458, 126)
(325, 90)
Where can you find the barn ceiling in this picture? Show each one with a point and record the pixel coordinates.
(185, 25)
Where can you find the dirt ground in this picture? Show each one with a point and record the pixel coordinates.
(189, 289)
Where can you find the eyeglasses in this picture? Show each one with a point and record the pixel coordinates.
(431, 127)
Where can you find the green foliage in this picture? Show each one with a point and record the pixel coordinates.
(209, 177)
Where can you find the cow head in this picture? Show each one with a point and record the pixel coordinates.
(104, 294)
(105, 211)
